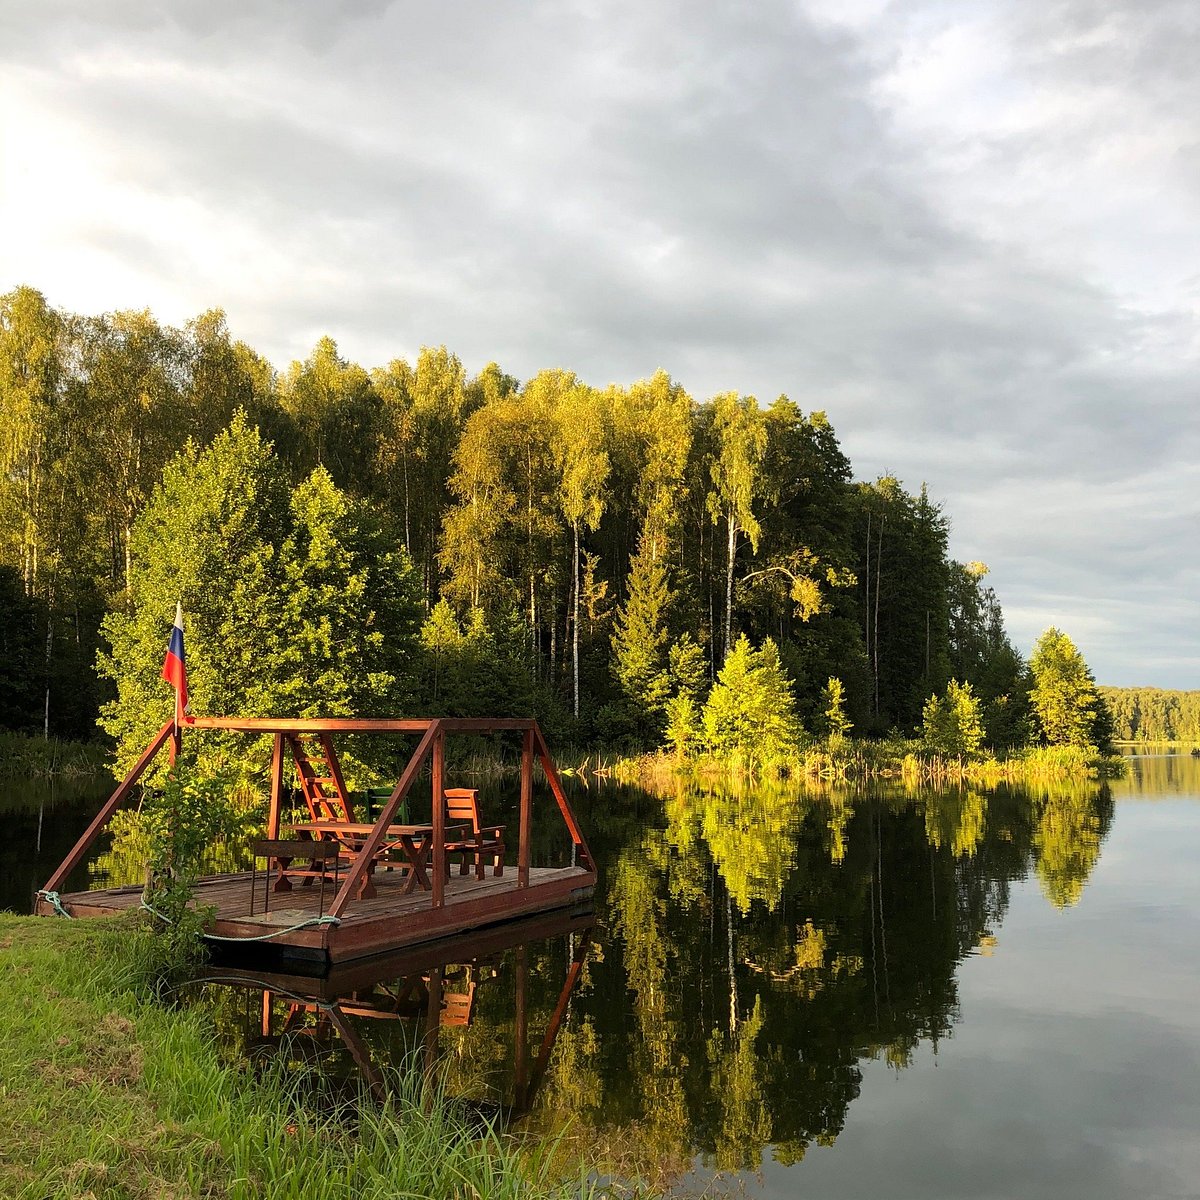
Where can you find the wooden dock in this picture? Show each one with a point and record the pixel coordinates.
(375, 905)
(387, 921)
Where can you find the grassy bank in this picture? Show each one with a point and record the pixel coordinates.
(108, 1095)
(859, 761)
(23, 756)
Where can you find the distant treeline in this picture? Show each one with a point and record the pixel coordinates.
(613, 542)
(1153, 714)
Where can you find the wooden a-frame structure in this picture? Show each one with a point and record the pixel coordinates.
(353, 926)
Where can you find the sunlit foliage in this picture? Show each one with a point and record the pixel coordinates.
(298, 602)
(952, 724)
(750, 714)
(1066, 702)
(613, 522)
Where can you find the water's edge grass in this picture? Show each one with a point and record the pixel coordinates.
(25, 756)
(108, 1093)
(861, 761)
(844, 759)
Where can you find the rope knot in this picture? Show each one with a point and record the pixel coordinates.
(53, 898)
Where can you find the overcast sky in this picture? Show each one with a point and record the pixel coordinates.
(967, 230)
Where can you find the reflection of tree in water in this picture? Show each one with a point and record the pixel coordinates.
(841, 810)
(750, 835)
(1158, 776)
(955, 817)
(745, 1124)
(124, 862)
(767, 944)
(658, 1059)
(728, 1009)
(1071, 825)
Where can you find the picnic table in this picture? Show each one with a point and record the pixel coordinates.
(413, 843)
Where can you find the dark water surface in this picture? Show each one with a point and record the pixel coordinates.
(900, 993)
(42, 821)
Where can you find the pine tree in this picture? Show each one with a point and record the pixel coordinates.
(750, 713)
(687, 666)
(835, 721)
(953, 724)
(639, 642)
(1066, 702)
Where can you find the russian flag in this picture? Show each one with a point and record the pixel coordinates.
(174, 669)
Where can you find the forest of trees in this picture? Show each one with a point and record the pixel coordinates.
(590, 555)
(1149, 714)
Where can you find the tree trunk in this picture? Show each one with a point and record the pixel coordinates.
(878, 581)
(927, 649)
(714, 636)
(407, 536)
(575, 624)
(534, 656)
(733, 531)
(867, 597)
(128, 534)
(49, 659)
(733, 996)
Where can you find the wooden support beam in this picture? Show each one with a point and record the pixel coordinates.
(276, 788)
(564, 805)
(524, 840)
(521, 1031)
(433, 1028)
(486, 724)
(358, 1051)
(105, 814)
(438, 810)
(360, 724)
(358, 868)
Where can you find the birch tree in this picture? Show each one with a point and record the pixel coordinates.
(741, 433)
(583, 465)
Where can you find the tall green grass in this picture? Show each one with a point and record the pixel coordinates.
(857, 760)
(23, 756)
(109, 1094)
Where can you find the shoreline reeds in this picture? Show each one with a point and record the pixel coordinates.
(29, 756)
(108, 1093)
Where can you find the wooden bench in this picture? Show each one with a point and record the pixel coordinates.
(281, 854)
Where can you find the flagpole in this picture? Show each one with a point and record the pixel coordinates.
(176, 736)
(176, 674)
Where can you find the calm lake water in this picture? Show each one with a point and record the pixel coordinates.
(983, 993)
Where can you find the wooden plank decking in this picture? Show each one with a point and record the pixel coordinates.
(388, 920)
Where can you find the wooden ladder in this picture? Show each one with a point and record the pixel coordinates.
(321, 777)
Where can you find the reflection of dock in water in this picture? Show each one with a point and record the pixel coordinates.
(424, 988)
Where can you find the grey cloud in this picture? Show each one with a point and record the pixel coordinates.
(716, 190)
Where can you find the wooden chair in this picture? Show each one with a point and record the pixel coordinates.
(458, 1006)
(484, 841)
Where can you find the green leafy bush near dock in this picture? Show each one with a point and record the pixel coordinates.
(112, 1096)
